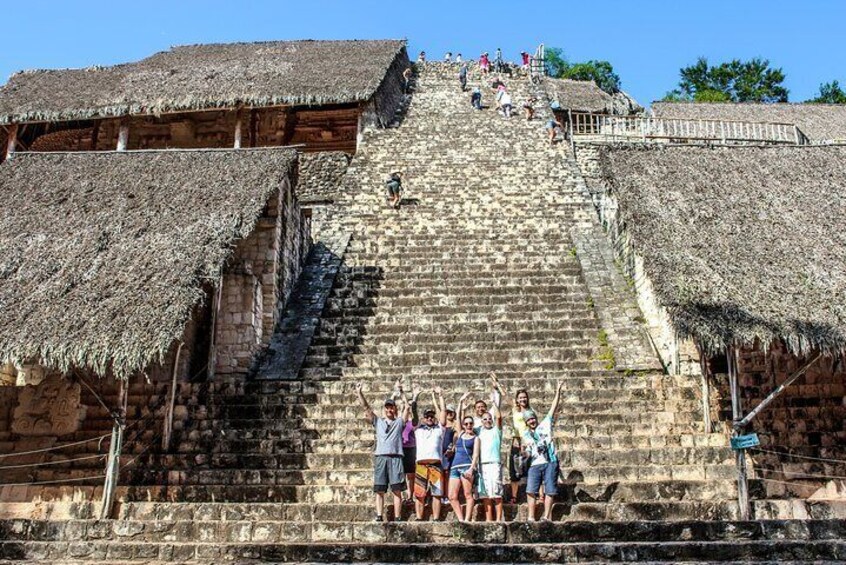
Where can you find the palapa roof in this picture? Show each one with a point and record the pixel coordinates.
(579, 95)
(586, 96)
(198, 77)
(742, 243)
(320, 175)
(819, 122)
(103, 255)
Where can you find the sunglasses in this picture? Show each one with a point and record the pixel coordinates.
(466, 423)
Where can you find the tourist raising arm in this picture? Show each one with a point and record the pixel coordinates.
(553, 409)
(496, 400)
(463, 405)
(369, 415)
(440, 406)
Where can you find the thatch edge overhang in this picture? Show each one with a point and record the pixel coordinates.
(128, 352)
(159, 106)
(716, 326)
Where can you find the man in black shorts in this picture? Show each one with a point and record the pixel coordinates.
(387, 463)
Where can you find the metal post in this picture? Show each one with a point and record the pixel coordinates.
(742, 485)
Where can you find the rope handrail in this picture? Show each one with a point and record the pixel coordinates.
(801, 476)
(55, 447)
(795, 456)
(53, 482)
(60, 462)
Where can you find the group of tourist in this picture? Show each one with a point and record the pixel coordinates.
(458, 454)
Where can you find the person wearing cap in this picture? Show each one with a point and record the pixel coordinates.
(539, 447)
(428, 479)
(387, 460)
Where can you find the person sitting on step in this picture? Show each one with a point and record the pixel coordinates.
(476, 98)
(387, 468)
(394, 184)
(539, 448)
(428, 480)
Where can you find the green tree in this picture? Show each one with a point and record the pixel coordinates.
(734, 81)
(600, 72)
(830, 93)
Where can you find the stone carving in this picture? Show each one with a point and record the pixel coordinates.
(51, 408)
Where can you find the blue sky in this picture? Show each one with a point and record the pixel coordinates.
(647, 41)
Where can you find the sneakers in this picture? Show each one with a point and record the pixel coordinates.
(378, 518)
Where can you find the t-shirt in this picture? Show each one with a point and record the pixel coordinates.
(429, 441)
(539, 444)
(388, 436)
(505, 99)
(519, 423)
(490, 443)
(408, 435)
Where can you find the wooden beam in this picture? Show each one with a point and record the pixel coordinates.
(740, 454)
(11, 142)
(123, 136)
(739, 425)
(238, 132)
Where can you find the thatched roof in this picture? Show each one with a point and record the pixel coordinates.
(200, 77)
(819, 122)
(320, 176)
(740, 243)
(102, 255)
(586, 96)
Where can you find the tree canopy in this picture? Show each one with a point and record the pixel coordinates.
(600, 72)
(734, 81)
(830, 93)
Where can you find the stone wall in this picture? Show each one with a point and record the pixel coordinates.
(808, 420)
(678, 356)
(379, 111)
(258, 280)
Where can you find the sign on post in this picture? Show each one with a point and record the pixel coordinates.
(745, 441)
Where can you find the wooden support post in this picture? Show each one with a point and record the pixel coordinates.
(706, 392)
(238, 134)
(215, 312)
(736, 416)
(796, 135)
(11, 142)
(167, 428)
(115, 448)
(123, 136)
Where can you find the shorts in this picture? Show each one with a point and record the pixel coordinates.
(490, 483)
(457, 471)
(546, 473)
(409, 459)
(387, 472)
(428, 480)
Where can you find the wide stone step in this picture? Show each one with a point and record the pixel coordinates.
(329, 552)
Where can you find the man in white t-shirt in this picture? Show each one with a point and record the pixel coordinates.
(428, 478)
(539, 447)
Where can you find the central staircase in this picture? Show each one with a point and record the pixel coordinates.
(476, 272)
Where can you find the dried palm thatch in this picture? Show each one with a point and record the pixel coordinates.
(320, 175)
(819, 122)
(741, 244)
(586, 96)
(103, 255)
(200, 77)
(579, 95)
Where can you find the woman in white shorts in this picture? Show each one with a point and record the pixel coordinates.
(490, 465)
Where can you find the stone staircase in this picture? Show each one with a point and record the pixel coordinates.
(478, 271)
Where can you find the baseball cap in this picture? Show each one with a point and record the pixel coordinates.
(390, 402)
(529, 414)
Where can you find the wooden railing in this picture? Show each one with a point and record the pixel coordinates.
(639, 128)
